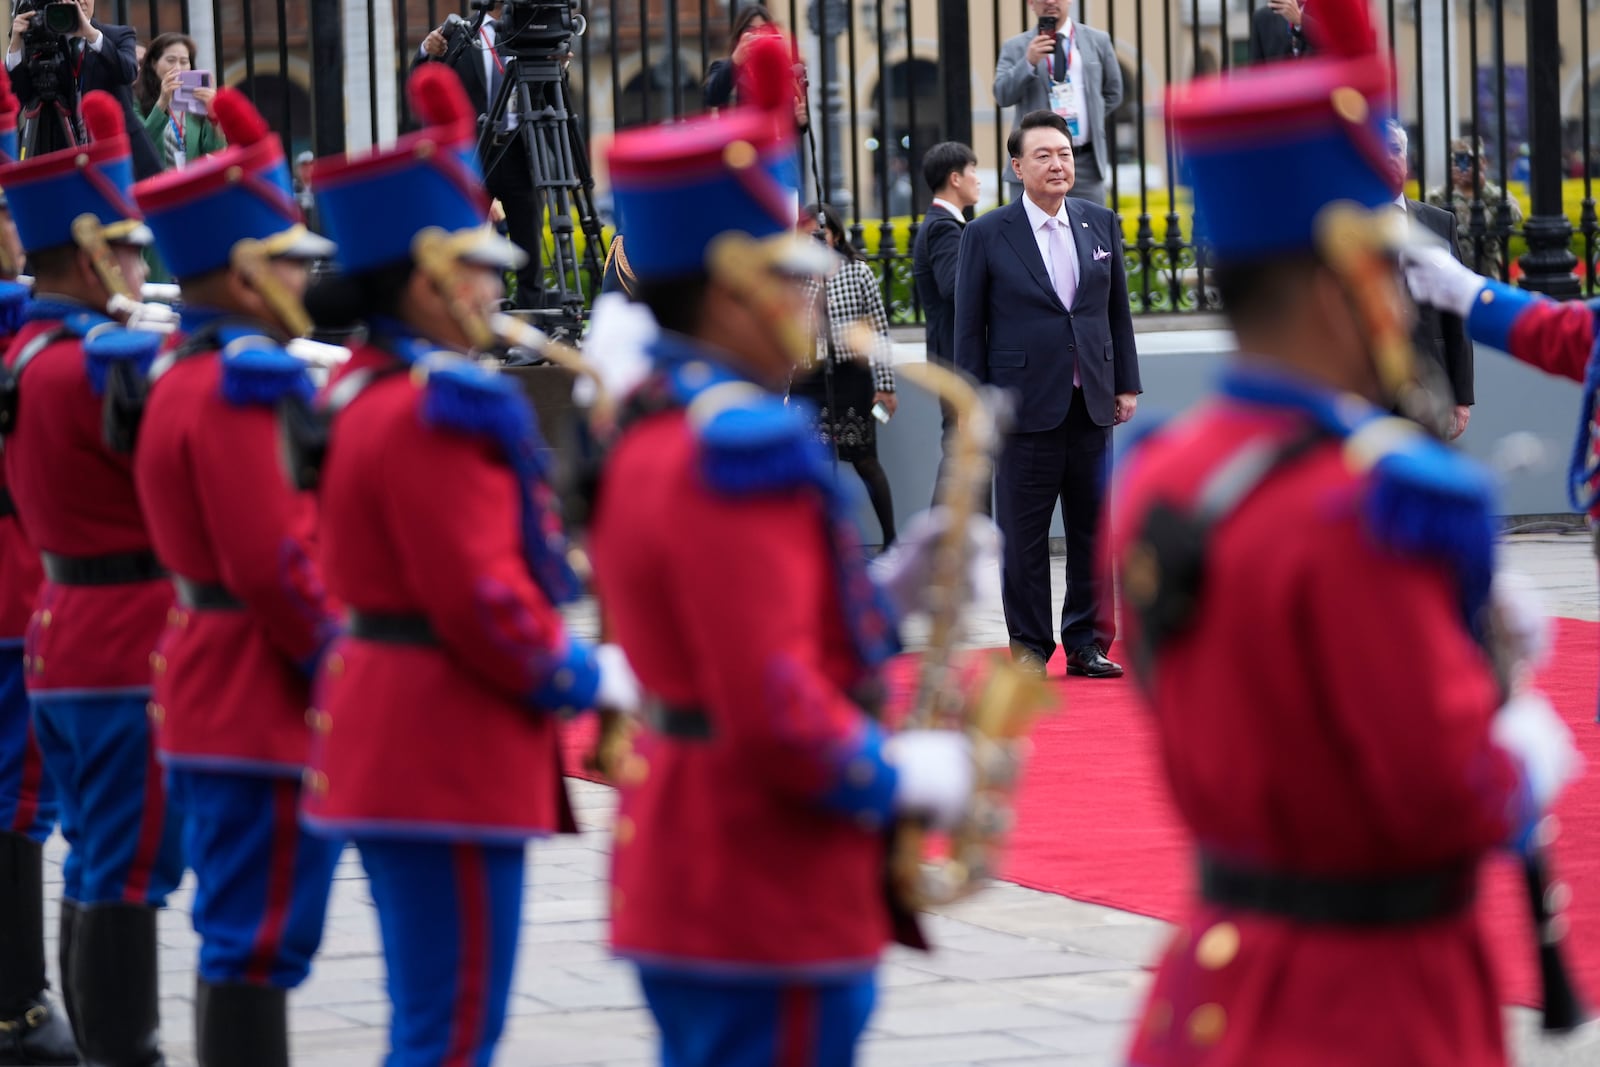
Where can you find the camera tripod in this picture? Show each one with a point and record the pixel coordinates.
(534, 95)
(52, 122)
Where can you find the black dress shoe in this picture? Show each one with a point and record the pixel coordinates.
(1027, 660)
(40, 1035)
(1091, 662)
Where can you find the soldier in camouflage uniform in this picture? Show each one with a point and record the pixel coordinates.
(1491, 260)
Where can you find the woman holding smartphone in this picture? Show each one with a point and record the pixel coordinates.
(181, 134)
(851, 392)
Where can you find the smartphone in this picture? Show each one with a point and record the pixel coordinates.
(1047, 25)
(183, 96)
(880, 413)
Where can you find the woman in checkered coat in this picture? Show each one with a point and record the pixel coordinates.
(840, 384)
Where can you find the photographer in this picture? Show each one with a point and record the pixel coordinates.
(98, 55)
(482, 66)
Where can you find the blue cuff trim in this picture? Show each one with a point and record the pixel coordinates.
(1491, 322)
(865, 782)
(572, 682)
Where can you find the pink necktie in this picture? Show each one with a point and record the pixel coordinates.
(1064, 269)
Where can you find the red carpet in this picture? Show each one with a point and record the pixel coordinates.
(1094, 822)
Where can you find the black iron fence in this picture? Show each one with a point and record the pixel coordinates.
(889, 78)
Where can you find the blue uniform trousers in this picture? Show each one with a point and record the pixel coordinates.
(732, 1022)
(261, 882)
(123, 834)
(449, 913)
(27, 795)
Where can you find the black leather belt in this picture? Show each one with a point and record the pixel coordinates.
(205, 596)
(117, 568)
(1403, 900)
(682, 723)
(392, 629)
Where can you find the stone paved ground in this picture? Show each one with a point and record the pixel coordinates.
(1020, 977)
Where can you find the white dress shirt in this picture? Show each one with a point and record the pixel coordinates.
(15, 58)
(1037, 222)
(948, 206)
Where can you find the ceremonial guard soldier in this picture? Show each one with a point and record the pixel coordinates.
(750, 850)
(438, 713)
(31, 1029)
(232, 684)
(1342, 790)
(91, 642)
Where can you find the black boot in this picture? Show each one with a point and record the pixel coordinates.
(31, 1030)
(66, 934)
(114, 986)
(240, 1025)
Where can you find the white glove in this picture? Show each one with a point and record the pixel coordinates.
(1438, 279)
(1522, 619)
(620, 332)
(619, 686)
(1529, 729)
(904, 572)
(936, 774)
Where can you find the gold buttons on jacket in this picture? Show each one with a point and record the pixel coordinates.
(1207, 1024)
(635, 769)
(156, 712)
(319, 721)
(44, 619)
(1217, 946)
(158, 662)
(315, 782)
(335, 665)
(625, 829)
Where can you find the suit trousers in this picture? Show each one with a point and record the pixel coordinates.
(511, 182)
(1070, 463)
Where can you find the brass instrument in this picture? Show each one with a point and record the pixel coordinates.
(995, 715)
(614, 741)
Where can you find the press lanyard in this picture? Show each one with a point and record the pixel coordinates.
(177, 130)
(1072, 32)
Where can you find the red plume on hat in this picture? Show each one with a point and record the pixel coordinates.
(766, 77)
(102, 117)
(438, 98)
(241, 123)
(1342, 28)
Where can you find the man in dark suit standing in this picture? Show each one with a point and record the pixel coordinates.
(105, 58)
(1042, 310)
(1278, 31)
(482, 65)
(1437, 335)
(950, 170)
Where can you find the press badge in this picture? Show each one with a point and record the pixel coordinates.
(1064, 102)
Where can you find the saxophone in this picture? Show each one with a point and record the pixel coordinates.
(995, 713)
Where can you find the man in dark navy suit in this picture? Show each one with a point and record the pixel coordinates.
(1042, 310)
(103, 55)
(950, 170)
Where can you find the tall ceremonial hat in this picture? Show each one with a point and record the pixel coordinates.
(1315, 124)
(49, 193)
(374, 205)
(679, 187)
(200, 213)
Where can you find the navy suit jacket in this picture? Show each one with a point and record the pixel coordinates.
(1012, 331)
(933, 269)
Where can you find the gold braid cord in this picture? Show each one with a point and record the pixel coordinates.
(998, 709)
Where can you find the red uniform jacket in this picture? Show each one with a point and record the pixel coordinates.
(236, 683)
(20, 572)
(1327, 714)
(76, 498)
(454, 740)
(758, 850)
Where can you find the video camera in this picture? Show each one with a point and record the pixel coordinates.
(540, 29)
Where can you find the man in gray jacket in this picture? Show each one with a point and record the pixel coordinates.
(1072, 71)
